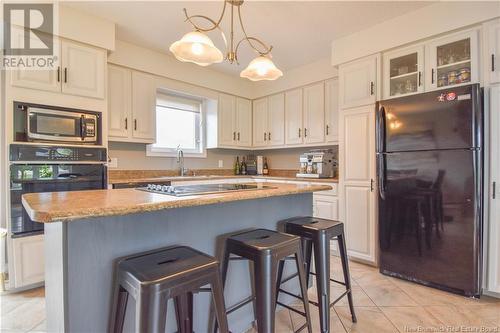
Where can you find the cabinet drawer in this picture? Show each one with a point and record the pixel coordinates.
(325, 206)
(332, 192)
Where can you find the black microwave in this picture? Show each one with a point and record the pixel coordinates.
(41, 123)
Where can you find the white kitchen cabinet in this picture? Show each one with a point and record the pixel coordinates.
(235, 121)
(293, 117)
(357, 181)
(403, 72)
(260, 116)
(493, 185)
(332, 110)
(492, 56)
(243, 122)
(28, 260)
(314, 113)
(325, 207)
(144, 107)
(81, 71)
(276, 120)
(452, 60)
(358, 82)
(119, 102)
(268, 121)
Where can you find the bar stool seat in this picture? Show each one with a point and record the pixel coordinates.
(265, 248)
(316, 234)
(153, 277)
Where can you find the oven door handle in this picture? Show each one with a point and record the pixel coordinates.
(70, 175)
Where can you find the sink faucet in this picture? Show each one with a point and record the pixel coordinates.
(180, 160)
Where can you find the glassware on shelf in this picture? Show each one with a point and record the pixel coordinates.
(452, 77)
(464, 75)
(442, 80)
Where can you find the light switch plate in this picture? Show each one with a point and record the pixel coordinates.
(113, 162)
(221, 163)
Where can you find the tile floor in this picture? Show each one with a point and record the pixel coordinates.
(382, 304)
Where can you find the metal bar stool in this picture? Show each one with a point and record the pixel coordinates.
(265, 248)
(317, 233)
(153, 277)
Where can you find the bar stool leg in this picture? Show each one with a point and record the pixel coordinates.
(265, 285)
(347, 277)
(184, 312)
(159, 313)
(307, 250)
(281, 265)
(303, 288)
(220, 308)
(322, 265)
(224, 263)
(117, 317)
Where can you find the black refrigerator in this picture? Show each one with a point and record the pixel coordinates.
(430, 176)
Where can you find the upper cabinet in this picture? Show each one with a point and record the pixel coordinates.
(314, 113)
(358, 82)
(453, 60)
(332, 110)
(234, 121)
(294, 131)
(492, 39)
(403, 72)
(269, 121)
(82, 72)
(131, 105)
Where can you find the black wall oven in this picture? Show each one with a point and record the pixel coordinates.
(35, 169)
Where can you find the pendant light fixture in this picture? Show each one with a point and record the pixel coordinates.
(198, 48)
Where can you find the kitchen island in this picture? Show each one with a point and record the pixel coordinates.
(85, 232)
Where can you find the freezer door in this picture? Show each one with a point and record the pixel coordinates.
(444, 119)
(430, 218)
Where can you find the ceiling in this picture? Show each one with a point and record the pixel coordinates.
(300, 32)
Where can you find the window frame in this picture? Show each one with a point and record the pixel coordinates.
(201, 152)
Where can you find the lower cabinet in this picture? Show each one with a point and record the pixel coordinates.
(325, 207)
(28, 264)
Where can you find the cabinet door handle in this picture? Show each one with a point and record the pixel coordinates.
(269, 136)
(65, 74)
(238, 136)
(58, 73)
(372, 88)
(492, 62)
(300, 133)
(371, 185)
(135, 124)
(305, 132)
(327, 129)
(126, 123)
(494, 190)
(432, 76)
(419, 78)
(265, 136)
(234, 136)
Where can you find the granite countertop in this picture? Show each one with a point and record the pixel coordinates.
(68, 206)
(191, 178)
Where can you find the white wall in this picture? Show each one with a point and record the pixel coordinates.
(162, 64)
(296, 77)
(419, 24)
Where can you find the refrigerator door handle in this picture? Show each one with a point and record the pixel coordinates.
(381, 175)
(381, 130)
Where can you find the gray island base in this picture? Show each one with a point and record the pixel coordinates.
(80, 258)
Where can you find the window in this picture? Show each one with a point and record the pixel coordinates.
(179, 123)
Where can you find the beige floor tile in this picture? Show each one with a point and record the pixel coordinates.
(369, 319)
(385, 293)
(477, 317)
(359, 296)
(24, 317)
(484, 300)
(416, 319)
(298, 320)
(428, 296)
(283, 323)
(41, 327)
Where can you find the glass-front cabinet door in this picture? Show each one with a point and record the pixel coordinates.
(403, 72)
(453, 60)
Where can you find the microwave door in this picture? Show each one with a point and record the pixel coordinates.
(54, 125)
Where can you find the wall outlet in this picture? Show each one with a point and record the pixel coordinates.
(221, 163)
(113, 162)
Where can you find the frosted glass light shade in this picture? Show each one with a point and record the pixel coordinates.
(261, 68)
(196, 47)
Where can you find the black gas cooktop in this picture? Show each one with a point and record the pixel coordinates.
(185, 190)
